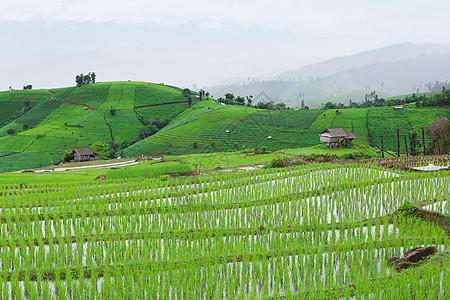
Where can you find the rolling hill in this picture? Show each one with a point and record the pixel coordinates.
(210, 127)
(39, 125)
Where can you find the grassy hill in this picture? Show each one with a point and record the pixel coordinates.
(47, 122)
(210, 127)
(384, 120)
(37, 126)
(368, 123)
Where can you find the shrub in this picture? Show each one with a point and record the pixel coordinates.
(11, 131)
(164, 177)
(282, 162)
(101, 150)
(68, 156)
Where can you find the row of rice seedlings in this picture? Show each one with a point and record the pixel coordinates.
(268, 215)
(283, 211)
(280, 269)
(121, 224)
(108, 188)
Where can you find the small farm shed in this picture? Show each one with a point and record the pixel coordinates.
(83, 155)
(336, 137)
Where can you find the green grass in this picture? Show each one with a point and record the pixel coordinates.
(385, 120)
(92, 95)
(65, 123)
(33, 117)
(9, 111)
(124, 125)
(403, 97)
(146, 170)
(16, 143)
(209, 161)
(94, 128)
(24, 95)
(161, 112)
(350, 119)
(155, 94)
(120, 96)
(27, 160)
(248, 127)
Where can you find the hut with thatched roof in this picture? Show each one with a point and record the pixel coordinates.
(83, 155)
(336, 137)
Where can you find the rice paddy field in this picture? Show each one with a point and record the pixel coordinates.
(216, 128)
(317, 231)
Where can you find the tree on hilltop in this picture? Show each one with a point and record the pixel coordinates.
(85, 79)
(186, 92)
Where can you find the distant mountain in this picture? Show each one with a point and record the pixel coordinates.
(392, 70)
(385, 54)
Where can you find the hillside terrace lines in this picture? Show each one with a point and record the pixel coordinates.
(160, 104)
(187, 132)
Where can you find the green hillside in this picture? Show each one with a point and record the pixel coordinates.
(384, 120)
(368, 123)
(210, 127)
(39, 125)
(349, 119)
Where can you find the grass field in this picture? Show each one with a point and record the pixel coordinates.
(27, 160)
(385, 120)
(317, 231)
(77, 117)
(350, 119)
(9, 111)
(221, 128)
(161, 112)
(153, 94)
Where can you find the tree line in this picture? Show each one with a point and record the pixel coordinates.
(441, 99)
(82, 79)
(230, 99)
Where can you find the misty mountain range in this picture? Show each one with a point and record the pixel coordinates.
(390, 71)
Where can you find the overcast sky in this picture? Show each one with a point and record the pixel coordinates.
(46, 43)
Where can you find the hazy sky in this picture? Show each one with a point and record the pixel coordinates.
(46, 43)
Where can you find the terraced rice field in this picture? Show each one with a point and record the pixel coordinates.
(317, 231)
(50, 122)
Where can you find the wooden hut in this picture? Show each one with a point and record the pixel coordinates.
(336, 137)
(83, 155)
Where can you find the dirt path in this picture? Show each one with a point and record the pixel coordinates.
(73, 103)
(51, 92)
